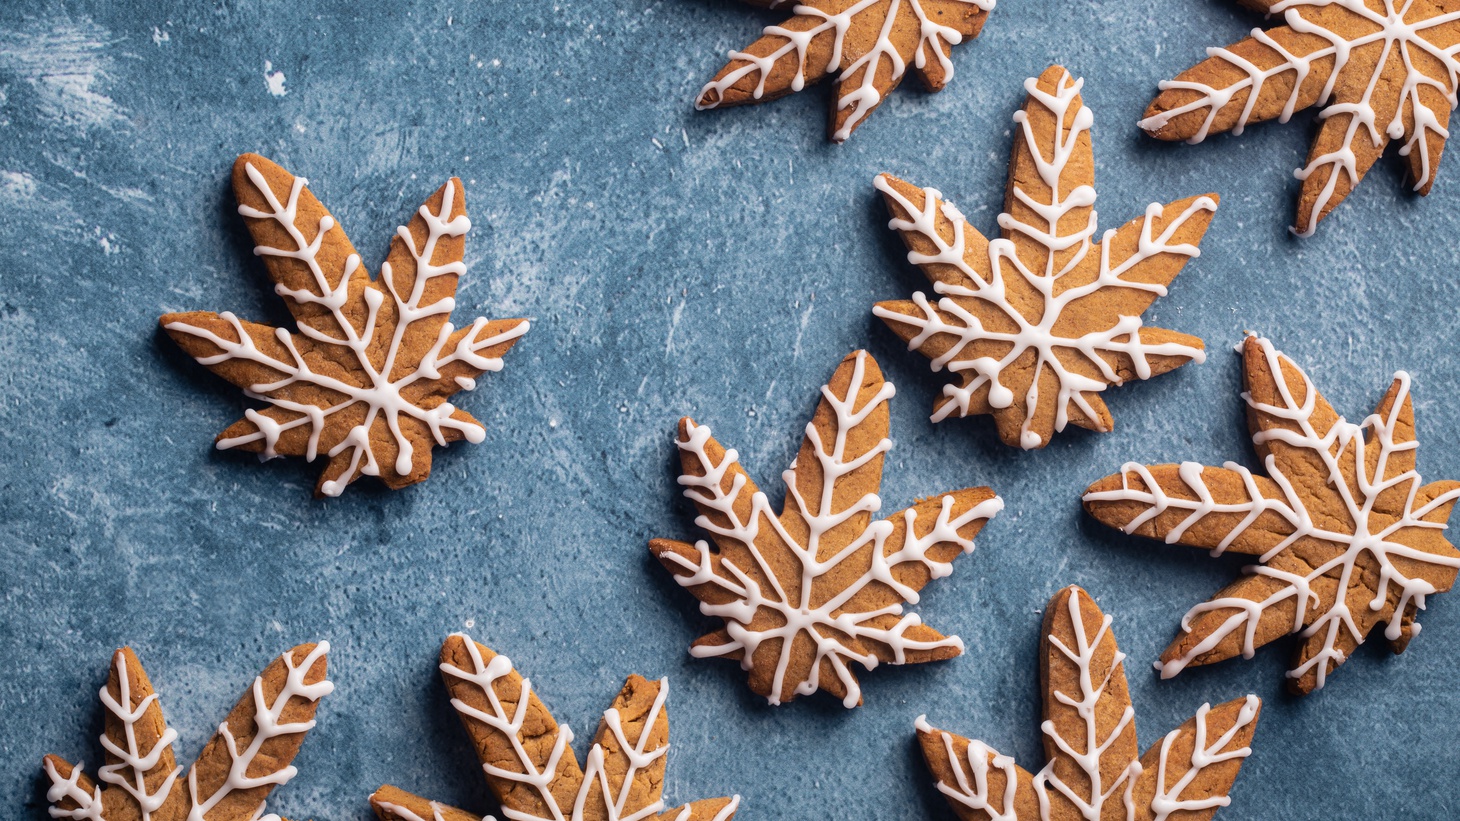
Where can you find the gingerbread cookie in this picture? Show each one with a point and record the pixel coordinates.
(1383, 70)
(366, 379)
(806, 594)
(869, 44)
(1090, 741)
(1346, 534)
(230, 779)
(1035, 324)
(528, 757)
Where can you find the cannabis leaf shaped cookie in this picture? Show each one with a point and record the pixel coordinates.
(366, 379)
(528, 757)
(869, 43)
(1037, 323)
(806, 594)
(1383, 70)
(1090, 742)
(230, 779)
(1346, 534)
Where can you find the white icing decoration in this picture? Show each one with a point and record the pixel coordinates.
(972, 775)
(405, 814)
(801, 617)
(134, 764)
(266, 721)
(970, 771)
(1352, 445)
(965, 329)
(1082, 655)
(865, 96)
(130, 773)
(1203, 755)
(88, 804)
(484, 674)
(382, 395)
(1394, 31)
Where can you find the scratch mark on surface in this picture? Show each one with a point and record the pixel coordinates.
(66, 64)
(801, 328)
(673, 326)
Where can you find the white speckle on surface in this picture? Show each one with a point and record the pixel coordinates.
(16, 187)
(107, 241)
(159, 36)
(274, 79)
(470, 623)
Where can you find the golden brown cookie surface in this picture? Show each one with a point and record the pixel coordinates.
(1347, 535)
(235, 772)
(1383, 70)
(528, 757)
(1090, 742)
(869, 44)
(1036, 324)
(365, 381)
(821, 586)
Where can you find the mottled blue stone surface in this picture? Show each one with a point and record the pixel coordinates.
(674, 262)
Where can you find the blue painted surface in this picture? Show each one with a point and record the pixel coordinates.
(675, 262)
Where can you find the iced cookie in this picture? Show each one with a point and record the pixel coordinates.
(365, 381)
(1382, 71)
(1093, 768)
(1034, 325)
(1346, 534)
(807, 594)
(868, 44)
(231, 777)
(528, 757)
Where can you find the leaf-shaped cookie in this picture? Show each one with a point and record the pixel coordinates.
(1346, 534)
(230, 779)
(869, 44)
(821, 586)
(1035, 324)
(1090, 742)
(366, 379)
(1383, 70)
(528, 757)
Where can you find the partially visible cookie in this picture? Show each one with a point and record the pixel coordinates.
(1383, 72)
(365, 381)
(1090, 742)
(1033, 326)
(808, 593)
(869, 44)
(528, 757)
(244, 761)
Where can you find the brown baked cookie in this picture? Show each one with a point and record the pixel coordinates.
(807, 593)
(366, 379)
(1347, 535)
(1383, 72)
(1036, 324)
(528, 757)
(1090, 742)
(869, 44)
(230, 779)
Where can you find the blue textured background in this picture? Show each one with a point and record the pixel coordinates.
(675, 262)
